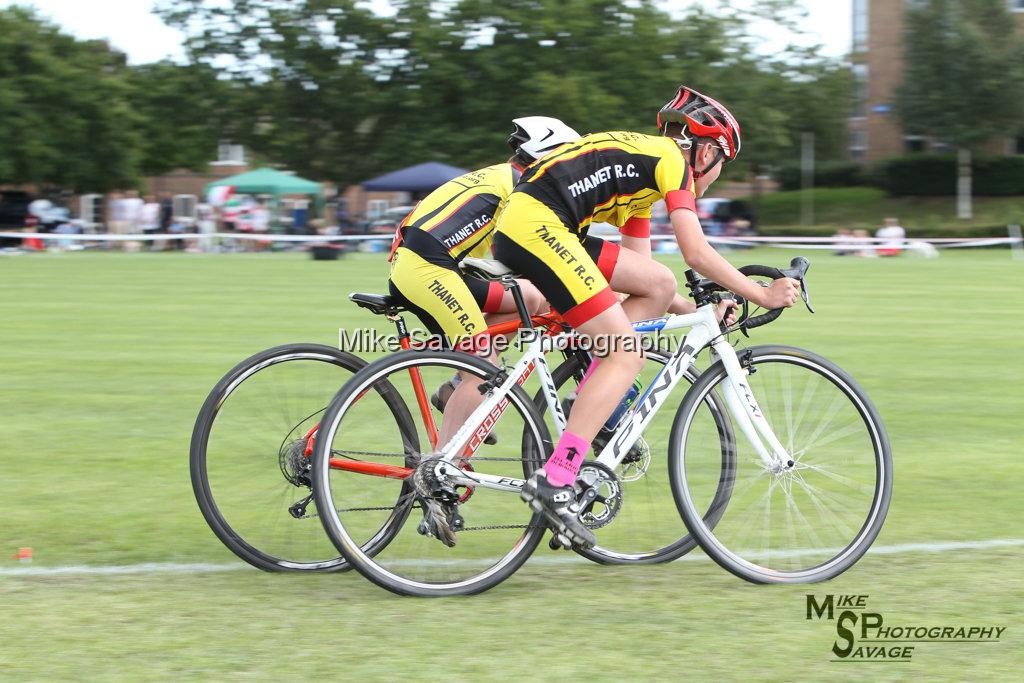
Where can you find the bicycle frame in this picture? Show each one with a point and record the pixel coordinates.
(549, 324)
(704, 330)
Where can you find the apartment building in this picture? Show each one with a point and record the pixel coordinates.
(877, 55)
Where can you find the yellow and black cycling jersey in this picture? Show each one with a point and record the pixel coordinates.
(610, 178)
(460, 214)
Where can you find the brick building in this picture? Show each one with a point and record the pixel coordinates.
(875, 131)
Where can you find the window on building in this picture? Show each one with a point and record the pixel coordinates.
(229, 153)
(858, 144)
(915, 143)
(860, 25)
(860, 95)
(375, 208)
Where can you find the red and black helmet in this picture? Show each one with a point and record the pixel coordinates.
(701, 117)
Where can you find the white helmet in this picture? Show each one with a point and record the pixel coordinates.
(535, 136)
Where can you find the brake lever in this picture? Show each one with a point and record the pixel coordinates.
(798, 271)
(805, 295)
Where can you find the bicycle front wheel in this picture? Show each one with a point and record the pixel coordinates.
(805, 523)
(362, 461)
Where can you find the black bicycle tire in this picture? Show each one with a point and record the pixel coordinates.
(883, 492)
(536, 527)
(197, 457)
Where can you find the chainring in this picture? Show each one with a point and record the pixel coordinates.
(606, 505)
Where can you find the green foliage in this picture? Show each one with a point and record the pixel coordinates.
(935, 175)
(963, 73)
(998, 176)
(182, 112)
(341, 93)
(827, 174)
(929, 175)
(334, 91)
(65, 109)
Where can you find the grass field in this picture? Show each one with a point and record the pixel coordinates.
(106, 359)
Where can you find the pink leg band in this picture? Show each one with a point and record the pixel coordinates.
(563, 465)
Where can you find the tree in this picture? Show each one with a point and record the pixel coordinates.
(339, 92)
(64, 109)
(963, 80)
(181, 113)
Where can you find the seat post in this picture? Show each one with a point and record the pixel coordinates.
(403, 332)
(517, 295)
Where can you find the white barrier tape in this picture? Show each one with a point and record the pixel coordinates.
(256, 237)
(827, 243)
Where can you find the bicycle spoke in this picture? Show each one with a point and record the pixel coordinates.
(809, 521)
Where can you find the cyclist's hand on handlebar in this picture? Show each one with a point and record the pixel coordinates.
(782, 293)
(727, 309)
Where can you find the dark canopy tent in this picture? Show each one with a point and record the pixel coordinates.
(419, 179)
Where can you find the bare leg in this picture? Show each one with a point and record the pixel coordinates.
(467, 396)
(651, 286)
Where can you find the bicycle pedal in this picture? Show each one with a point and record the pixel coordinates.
(559, 542)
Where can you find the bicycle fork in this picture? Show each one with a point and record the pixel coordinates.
(747, 413)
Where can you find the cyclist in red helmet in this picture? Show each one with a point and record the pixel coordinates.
(616, 177)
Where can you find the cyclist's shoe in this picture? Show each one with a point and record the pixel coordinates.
(558, 504)
(440, 398)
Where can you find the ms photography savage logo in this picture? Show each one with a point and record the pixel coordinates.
(863, 636)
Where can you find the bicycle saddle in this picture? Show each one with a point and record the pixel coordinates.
(486, 269)
(378, 304)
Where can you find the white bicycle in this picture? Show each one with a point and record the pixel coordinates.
(798, 498)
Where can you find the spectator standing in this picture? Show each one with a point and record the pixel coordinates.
(132, 216)
(206, 224)
(116, 223)
(259, 218)
(166, 211)
(149, 220)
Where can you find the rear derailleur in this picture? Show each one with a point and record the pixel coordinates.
(439, 501)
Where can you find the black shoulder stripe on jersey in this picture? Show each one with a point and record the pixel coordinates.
(594, 178)
(466, 220)
(439, 209)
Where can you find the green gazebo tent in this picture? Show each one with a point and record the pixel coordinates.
(272, 182)
(268, 181)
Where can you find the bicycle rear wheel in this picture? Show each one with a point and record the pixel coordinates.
(248, 463)
(648, 528)
(805, 523)
(362, 461)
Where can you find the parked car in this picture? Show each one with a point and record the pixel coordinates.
(14, 215)
(388, 221)
(717, 214)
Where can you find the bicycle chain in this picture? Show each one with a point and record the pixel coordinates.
(475, 458)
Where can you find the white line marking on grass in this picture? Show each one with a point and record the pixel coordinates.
(143, 568)
(208, 567)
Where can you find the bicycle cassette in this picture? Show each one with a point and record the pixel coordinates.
(598, 495)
